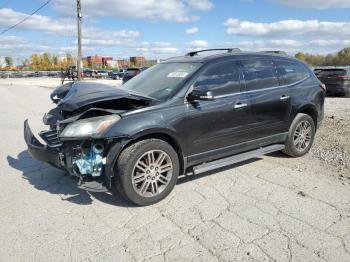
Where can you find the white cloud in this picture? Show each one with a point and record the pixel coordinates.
(319, 4)
(192, 30)
(330, 43)
(12, 40)
(157, 48)
(321, 46)
(154, 10)
(20, 48)
(62, 26)
(197, 44)
(202, 5)
(308, 28)
(92, 36)
(265, 45)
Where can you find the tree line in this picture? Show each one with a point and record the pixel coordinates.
(40, 62)
(341, 58)
(48, 62)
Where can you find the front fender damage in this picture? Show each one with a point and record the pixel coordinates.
(92, 161)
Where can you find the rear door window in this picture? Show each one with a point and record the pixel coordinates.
(291, 72)
(221, 79)
(259, 74)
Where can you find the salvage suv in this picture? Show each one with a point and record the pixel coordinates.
(194, 113)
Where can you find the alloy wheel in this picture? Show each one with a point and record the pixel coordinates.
(302, 135)
(152, 173)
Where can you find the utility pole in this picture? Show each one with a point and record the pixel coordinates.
(79, 61)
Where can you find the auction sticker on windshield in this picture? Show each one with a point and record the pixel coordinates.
(178, 74)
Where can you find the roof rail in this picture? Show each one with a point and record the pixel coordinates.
(229, 50)
(277, 52)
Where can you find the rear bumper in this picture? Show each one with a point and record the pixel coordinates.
(39, 151)
(336, 89)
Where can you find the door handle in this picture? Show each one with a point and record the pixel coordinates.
(240, 105)
(284, 98)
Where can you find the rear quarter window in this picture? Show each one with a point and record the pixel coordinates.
(291, 72)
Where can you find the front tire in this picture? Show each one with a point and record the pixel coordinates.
(301, 136)
(147, 171)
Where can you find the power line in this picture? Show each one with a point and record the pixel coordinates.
(26, 18)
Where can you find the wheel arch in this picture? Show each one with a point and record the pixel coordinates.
(311, 110)
(166, 137)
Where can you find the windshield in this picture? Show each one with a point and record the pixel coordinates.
(162, 80)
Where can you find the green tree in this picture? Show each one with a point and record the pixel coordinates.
(26, 62)
(8, 61)
(343, 57)
(55, 61)
(301, 56)
(36, 62)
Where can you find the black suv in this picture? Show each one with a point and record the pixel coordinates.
(187, 114)
(336, 79)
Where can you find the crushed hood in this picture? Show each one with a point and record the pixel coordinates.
(72, 96)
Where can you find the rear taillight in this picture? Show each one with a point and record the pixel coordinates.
(323, 86)
(343, 77)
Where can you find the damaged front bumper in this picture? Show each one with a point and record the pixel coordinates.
(38, 151)
(69, 159)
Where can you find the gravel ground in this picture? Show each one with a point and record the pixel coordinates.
(332, 144)
(273, 208)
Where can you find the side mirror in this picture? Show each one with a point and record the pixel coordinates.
(198, 94)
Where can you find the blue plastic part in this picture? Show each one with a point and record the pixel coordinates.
(90, 164)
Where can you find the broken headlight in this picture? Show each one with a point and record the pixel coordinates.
(90, 126)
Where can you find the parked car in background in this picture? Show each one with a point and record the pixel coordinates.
(336, 79)
(90, 73)
(132, 72)
(120, 74)
(54, 74)
(31, 74)
(114, 75)
(102, 74)
(191, 113)
(4, 75)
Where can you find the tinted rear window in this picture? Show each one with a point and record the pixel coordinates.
(330, 72)
(291, 72)
(259, 74)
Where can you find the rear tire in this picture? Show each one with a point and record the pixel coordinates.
(301, 136)
(147, 171)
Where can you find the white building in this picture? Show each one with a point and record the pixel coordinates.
(113, 63)
(2, 62)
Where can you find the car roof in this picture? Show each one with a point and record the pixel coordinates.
(220, 56)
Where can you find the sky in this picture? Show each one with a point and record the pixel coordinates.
(165, 28)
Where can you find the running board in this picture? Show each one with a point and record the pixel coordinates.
(236, 158)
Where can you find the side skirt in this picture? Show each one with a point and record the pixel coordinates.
(231, 150)
(236, 158)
